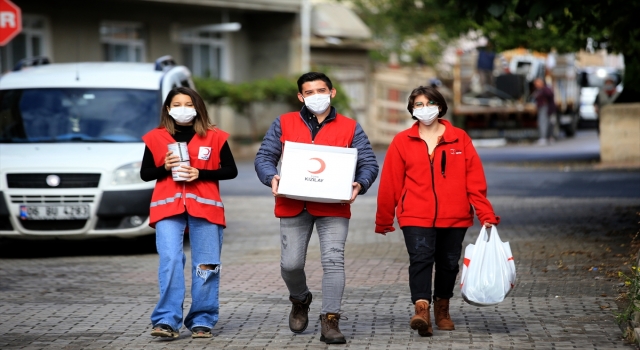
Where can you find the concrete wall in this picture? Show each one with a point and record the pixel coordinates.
(75, 26)
(261, 49)
(270, 42)
(351, 68)
(620, 133)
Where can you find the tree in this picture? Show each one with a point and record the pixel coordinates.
(417, 30)
(397, 22)
(610, 23)
(537, 25)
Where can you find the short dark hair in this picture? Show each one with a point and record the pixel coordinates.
(201, 122)
(432, 94)
(313, 76)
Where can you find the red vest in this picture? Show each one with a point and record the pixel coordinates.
(338, 132)
(199, 198)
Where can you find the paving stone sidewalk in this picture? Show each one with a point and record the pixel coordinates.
(567, 253)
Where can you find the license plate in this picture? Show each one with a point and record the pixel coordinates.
(54, 212)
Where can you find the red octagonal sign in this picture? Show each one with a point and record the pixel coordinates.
(10, 21)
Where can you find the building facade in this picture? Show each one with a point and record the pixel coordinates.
(233, 40)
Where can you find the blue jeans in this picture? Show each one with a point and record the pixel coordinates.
(206, 245)
(295, 233)
(543, 122)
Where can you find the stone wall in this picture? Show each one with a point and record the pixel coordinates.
(620, 133)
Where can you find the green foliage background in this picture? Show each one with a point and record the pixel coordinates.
(612, 24)
(563, 25)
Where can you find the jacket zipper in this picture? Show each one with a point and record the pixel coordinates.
(404, 195)
(313, 139)
(433, 183)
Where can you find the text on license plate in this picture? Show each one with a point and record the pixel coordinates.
(54, 212)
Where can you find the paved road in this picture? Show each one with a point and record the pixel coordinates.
(568, 249)
(567, 168)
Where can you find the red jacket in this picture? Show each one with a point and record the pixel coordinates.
(338, 132)
(439, 193)
(199, 198)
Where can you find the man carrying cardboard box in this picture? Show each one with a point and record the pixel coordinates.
(316, 123)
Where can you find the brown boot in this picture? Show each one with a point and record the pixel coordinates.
(422, 320)
(441, 313)
(329, 330)
(299, 316)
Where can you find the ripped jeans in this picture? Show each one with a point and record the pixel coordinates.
(429, 246)
(295, 233)
(206, 244)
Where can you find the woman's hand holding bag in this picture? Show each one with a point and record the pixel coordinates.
(489, 272)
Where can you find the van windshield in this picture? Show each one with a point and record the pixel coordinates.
(77, 115)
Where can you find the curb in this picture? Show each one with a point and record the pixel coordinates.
(617, 166)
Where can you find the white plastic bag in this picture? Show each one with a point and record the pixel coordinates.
(489, 272)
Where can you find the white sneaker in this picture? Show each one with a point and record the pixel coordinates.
(541, 142)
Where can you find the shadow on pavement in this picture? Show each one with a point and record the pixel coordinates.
(29, 249)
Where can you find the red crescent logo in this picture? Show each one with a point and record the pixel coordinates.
(322, 166)
(207, 151)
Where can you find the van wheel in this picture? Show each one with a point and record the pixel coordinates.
(146, 244)
(569, 130)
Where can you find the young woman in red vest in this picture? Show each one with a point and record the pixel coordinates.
(194, 204)
(432, 180)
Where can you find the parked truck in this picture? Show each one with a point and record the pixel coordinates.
(505, 109)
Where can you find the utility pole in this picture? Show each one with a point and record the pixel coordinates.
(305, 33)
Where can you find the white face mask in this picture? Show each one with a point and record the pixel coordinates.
(318, 103)
(427, 115)
(182, 114)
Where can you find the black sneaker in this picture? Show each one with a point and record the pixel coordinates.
(164, 331)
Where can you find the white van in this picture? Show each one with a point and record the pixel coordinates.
(71, 147)
(591, 80)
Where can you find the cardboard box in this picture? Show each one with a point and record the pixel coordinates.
(316, 173)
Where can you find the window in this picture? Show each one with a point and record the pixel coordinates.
(77, 114)
(31, 42)
(203, 52)
(122, 41)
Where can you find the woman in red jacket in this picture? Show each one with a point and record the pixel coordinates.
(432, 180)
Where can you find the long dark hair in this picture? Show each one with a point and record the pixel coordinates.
(201, 122)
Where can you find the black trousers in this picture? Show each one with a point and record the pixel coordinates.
(428, 247)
